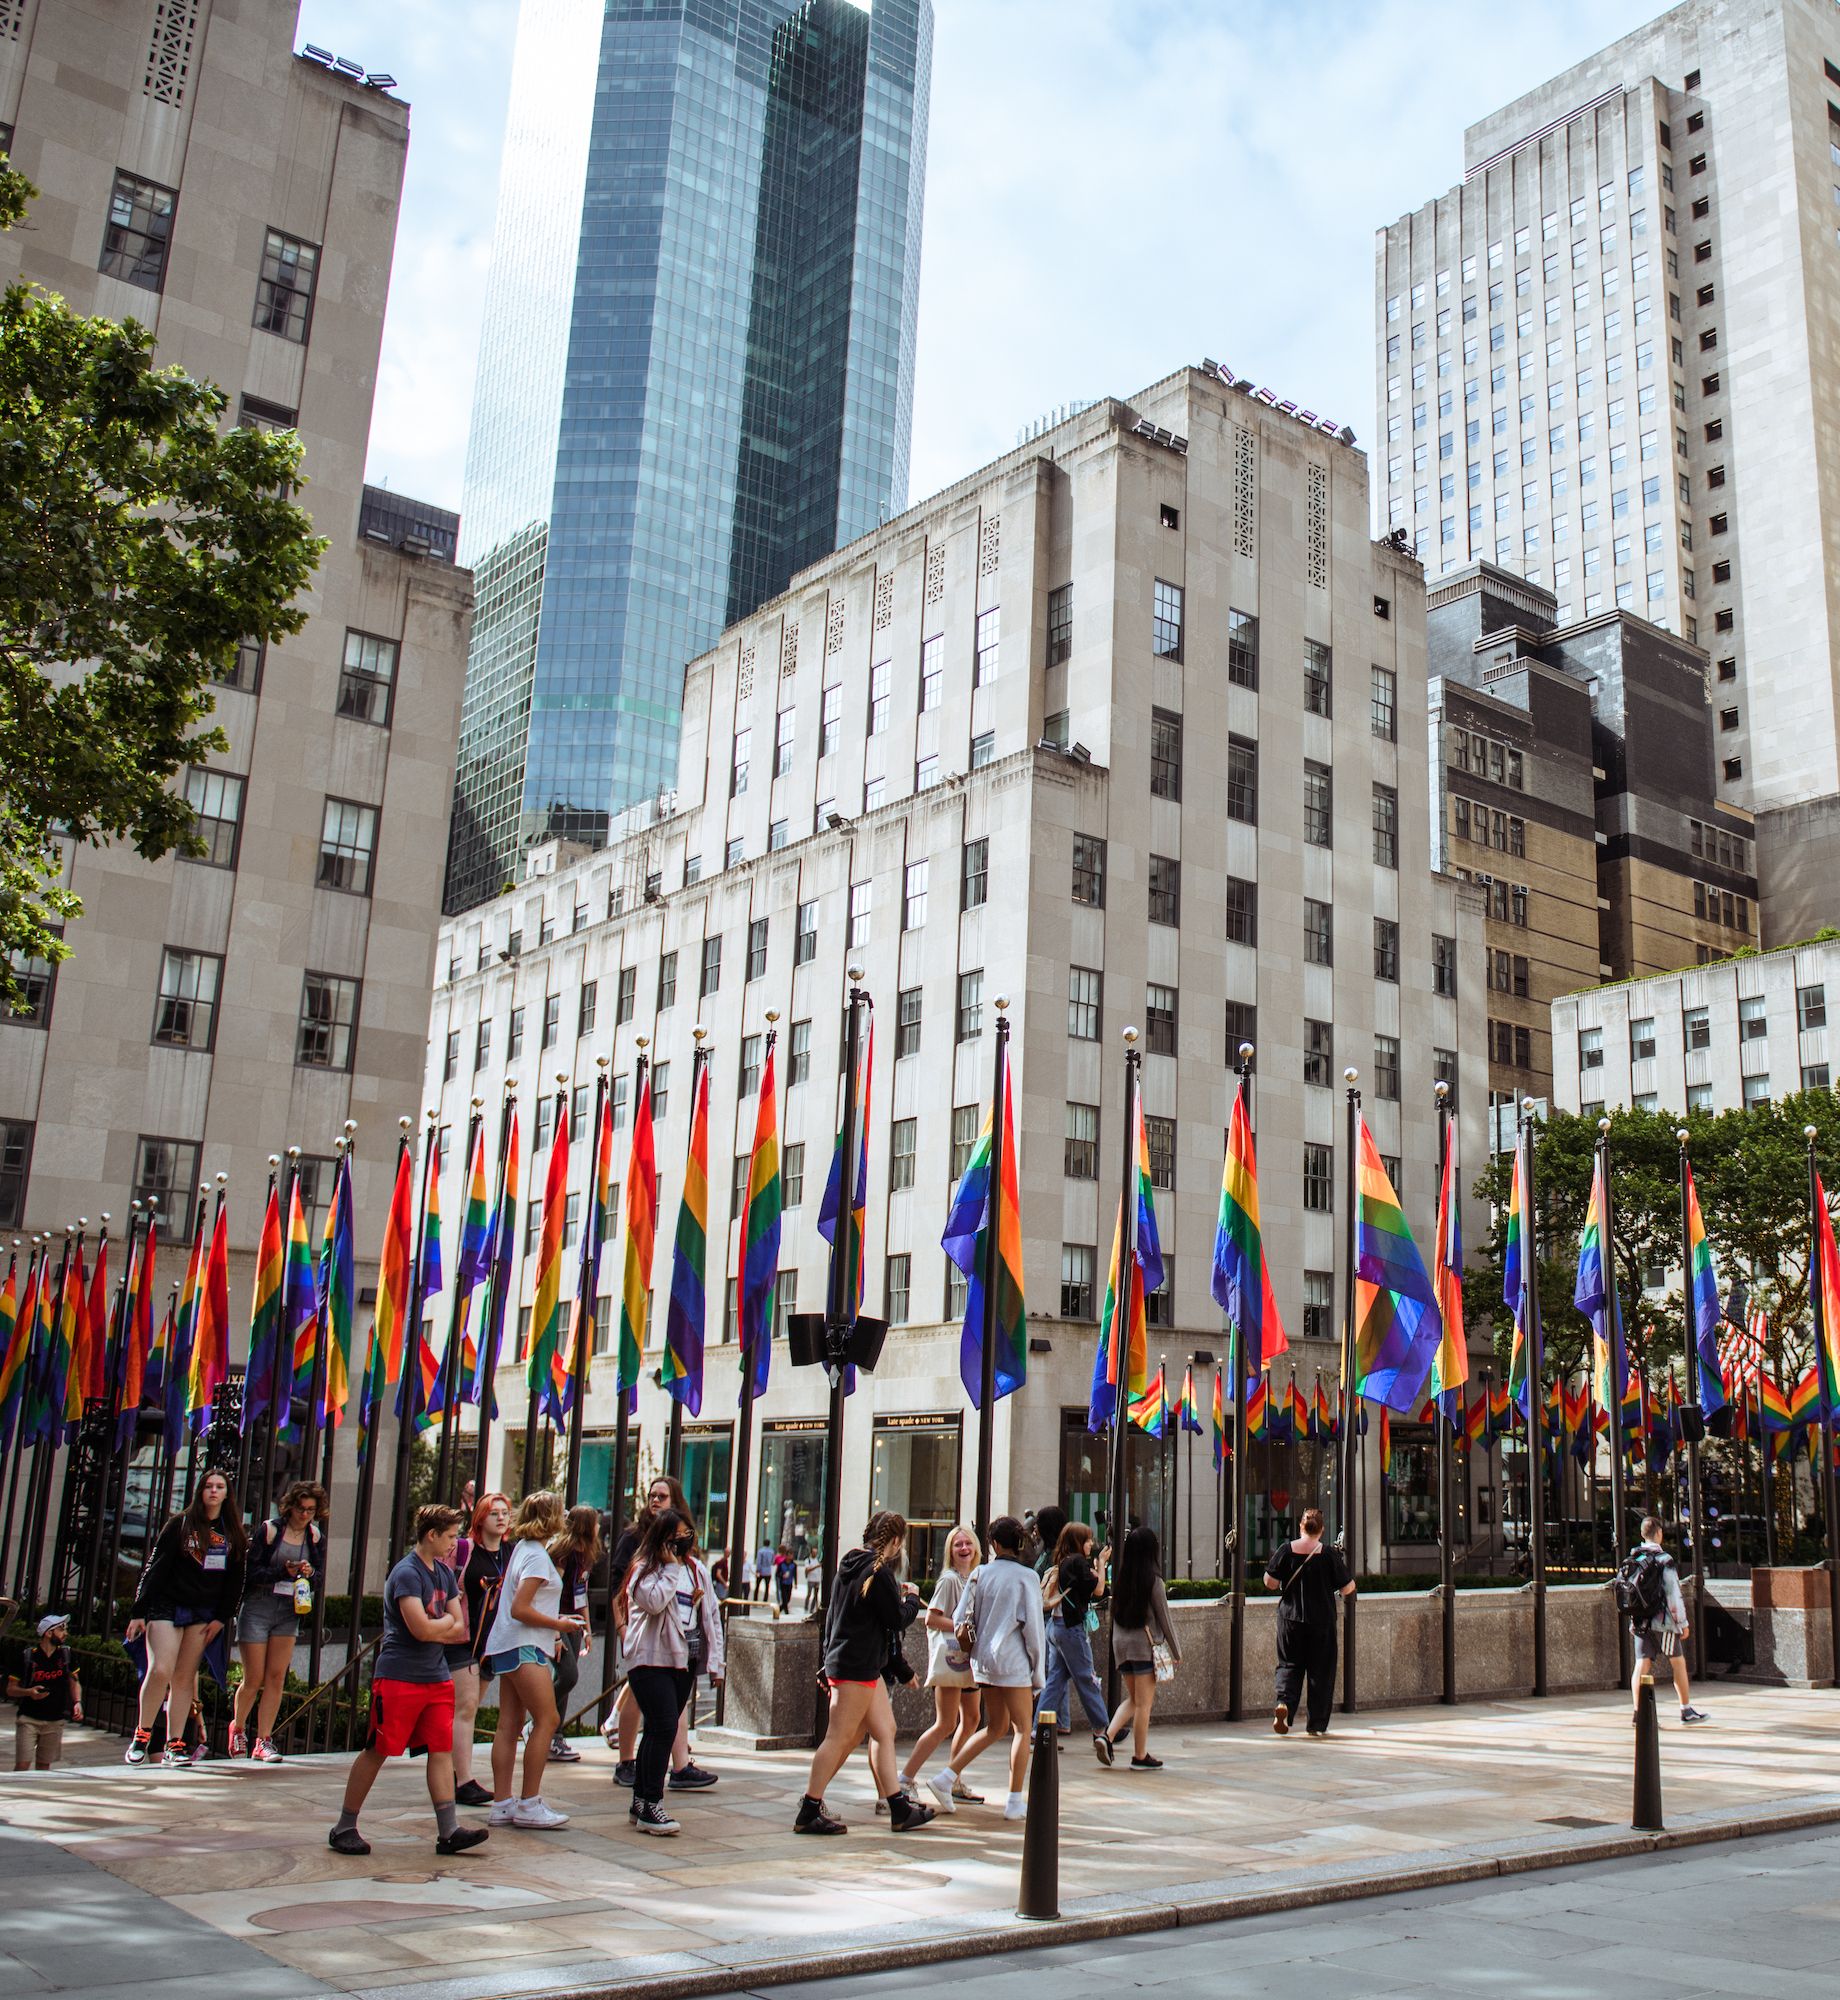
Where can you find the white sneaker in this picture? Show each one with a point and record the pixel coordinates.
(941, 1789)
(534, 1813)
(503, 1813)
(1015, 1809)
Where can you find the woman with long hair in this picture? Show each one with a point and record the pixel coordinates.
(1140, 1619)
(1072, 1585)
(481, 1574)
(188, 1593)
(621, 1729)
(869, 1608)
(948, 1666)
(519, 1649)
(574, 1552)
(673, 1631)
(1000, 1624)
(287, 1551)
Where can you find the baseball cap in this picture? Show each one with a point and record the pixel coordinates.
(53, 1621)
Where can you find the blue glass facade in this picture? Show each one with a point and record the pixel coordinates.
(734, 396)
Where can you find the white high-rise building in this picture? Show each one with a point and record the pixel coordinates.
(1128, 727)
(1607, 361)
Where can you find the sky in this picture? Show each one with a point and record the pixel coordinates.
(1114, 188)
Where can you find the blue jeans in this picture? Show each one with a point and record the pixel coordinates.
(1070, 1660)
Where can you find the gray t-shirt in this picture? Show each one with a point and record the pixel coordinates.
(402, 1656)
(944, 1653)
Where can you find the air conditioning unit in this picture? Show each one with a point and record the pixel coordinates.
(1487, 881)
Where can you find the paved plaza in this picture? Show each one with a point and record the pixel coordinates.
(146, 1875)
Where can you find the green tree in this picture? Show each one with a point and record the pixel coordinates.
(139, 543)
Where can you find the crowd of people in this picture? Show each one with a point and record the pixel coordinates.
(491, 1602)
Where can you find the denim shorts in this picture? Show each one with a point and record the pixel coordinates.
(266, 1615)
(517, 1656)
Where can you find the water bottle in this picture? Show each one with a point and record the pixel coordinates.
(303, 1594)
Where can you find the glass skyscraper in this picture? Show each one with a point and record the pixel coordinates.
(695, 375)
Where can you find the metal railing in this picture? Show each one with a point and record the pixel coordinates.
(335, 1708)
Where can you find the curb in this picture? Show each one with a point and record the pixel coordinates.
(740, 1968)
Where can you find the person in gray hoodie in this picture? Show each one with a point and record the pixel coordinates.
(1000, 1621)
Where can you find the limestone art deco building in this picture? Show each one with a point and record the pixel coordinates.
(1128, 727)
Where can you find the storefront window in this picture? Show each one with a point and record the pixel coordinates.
(789, 1506)
(915, 1472)
(705, 1479)
(596, 1486)
(1412, 1490)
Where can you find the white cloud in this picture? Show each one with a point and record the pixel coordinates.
(1114, 188)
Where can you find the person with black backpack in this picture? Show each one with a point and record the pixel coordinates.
(1648, 1594)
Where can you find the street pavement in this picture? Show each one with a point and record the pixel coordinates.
(136, 1876)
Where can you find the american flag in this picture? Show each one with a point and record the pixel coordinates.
(1741, 1354)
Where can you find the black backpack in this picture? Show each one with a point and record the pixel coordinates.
(1641, 1588)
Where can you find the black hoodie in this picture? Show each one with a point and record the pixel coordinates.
(867, 1607)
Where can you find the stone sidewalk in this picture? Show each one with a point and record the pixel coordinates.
(1238, 1821)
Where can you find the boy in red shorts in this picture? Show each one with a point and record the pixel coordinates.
(412, 1687)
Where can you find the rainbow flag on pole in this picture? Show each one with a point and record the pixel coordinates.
(1150, 1411)
(475, 1264)
(338, 1293)
(504, 1241)
(641, 1237)
(1594, 1295)
(1827, 1257)
(1188, 1408)
(1222, 1449)
(1122, 1358)
(395, 1267)
(264, 1318)
(1241, 1282)
(299, 1330)
(546, 1329)
(1450, 1366)
(15, 1341)
(1258, 1408)
(211, 1329)
(964, 1242)
(758, 1276)
(1703, 1292)
(684, 1318)
(1518, 1278)
(855, 1234)
(1396, 1326)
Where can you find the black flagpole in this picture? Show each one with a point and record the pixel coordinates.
(1822, 1334)
(1351, 1423)
(492, 1309)
(616, 1496)
(587, 1306)
(738, 1531)
(1447, 1448)
(116, 1361)
(450, 1354)
(1536, 1406)
(367, 1472)
(412, 1359)
(246, 1445)
(1236, 1533)
(1119, 1523)
(1692, 1426)
(529, 1483)
(1619, 1525)
(987, 1381)
(674, 1433)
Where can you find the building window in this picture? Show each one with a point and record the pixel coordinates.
(1318, 1052)
(1081, 1160)
(165, 1178)
(712, 968)
(348, 834)
(1242, 1026)
(245, 672)
(1166, 621)
(1318, 676)
(1242, 780)
(367, 679)
(830, 719)
(284, 293)
(667, 981)
(895, 1290)
(738, 763)
(748, 1081)
(1060, 624)
(1085, 1000)
(1319, 1305)
(1385, 704)
(1160, 1140)
(1814, 1076)
(1160, 1020)
(1444, 966)
(974, 874)
(1642, 1039)
(138, 233)
(983, 748)
(1386, 827)
(552, 1021)
(328, 1022)
(1089, 870)
(1318, 805)
(1079, 1268)
(985, 657)
(1756, 1093)
(1753, 1023)
(756, 950)
(1590, 1048)
(878, 696)
(901, 1149)
(805, 936)
(185, 1016)
(1319, 1179)
(1240, 910)
(216, 800)
(1386, 1072)
(514, 1042)
(1165, 754)
(482, 1043)
(798, 1053)
(907, 1022)
(932, 672)
(785, 736)
(1386, 949)
(1444, 1070)
(965, 1122)
(859, 915)
(913, 895)
(1165, 890)
(1242, 648)
(970, 1005)
(1811, 1006)
(1318, 932)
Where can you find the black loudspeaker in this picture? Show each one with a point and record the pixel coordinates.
(1692, 1423)
(805, 1337)
(866, 1338)
(1718, 1425)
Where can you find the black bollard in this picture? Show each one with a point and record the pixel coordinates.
(1040, 1895)
(1646, 1817)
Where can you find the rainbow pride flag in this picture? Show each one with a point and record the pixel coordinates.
(473, 1266)
(15, 1335)
(134, 1360)
(1476, 1421)
(1501, 1409)
(1703, 1292)
(1518, 1278)
(1122, 1358)
(1241, 1282)
(299, 1323)
(966, 1242)
(395, 1269)
(543, 1355)
(1450, 1365)
(1188, 1407)
(1222, 1449)
(1397, 1331)
(1775, 1405)
(852, 1246)
(758, 1277)
(1258, 1409)
(338, 1291)
(1594, 1294)
(503, 1232)
(264, 1317)
(641, 1238)
(1827, 1258)
(1149, 1412)
(682, 1369)
(211, 1332)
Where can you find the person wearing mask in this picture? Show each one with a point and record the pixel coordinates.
(482, 1571)
(1000, 1622)
(283, 1578)
(1311, 1580)
(1072, 1588)
(520, 1650)
(188, 1593)
(49, 1694)
(673, 1629)
(948, 1668)
(1140, 1622)
(621, 1729)
(412, 1691)
(576, 1552)
(870, 1608)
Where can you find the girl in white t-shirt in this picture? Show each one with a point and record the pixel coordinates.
(948, 1665)
(519, 1649)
